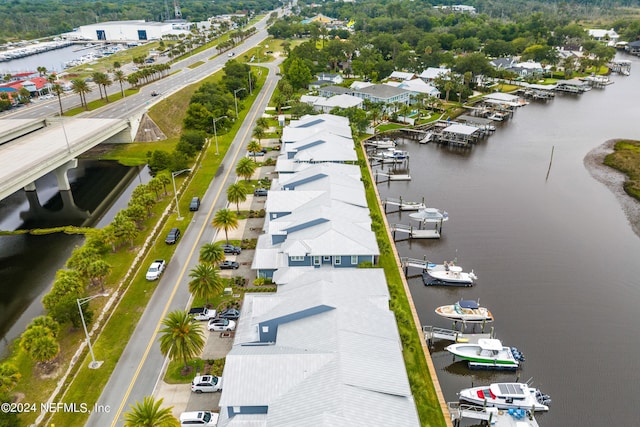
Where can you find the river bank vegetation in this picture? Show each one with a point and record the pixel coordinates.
(626, 158)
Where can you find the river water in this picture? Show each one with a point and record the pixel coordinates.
(28, 263)
(52, 60)
(557, 259)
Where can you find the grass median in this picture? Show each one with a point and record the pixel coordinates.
(86, 385)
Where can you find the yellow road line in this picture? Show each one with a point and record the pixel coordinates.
(125, 397)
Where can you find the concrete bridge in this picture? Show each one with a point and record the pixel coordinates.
(32, 148)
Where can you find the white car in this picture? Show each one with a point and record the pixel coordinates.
(155, 269)
(221, 325)
(206, 384)
(199, 418)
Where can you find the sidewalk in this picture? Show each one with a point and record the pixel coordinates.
(217, 345)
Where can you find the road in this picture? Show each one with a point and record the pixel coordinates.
(137, 372)
(180, 76)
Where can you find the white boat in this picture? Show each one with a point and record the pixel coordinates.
(430, 215)
(392, 155)
(488, 353)
(449, 273)
(381, 143)
(465, 311)
(411, 206)
(506, 396)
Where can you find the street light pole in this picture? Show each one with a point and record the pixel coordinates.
(175, 192)
(235, 98)
(215, 131)
(95, 364)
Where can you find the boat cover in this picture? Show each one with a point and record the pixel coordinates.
(467, 303)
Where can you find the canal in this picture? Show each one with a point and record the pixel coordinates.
(556, 258)
(28, 263)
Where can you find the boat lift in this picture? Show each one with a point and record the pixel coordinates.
(491, 416)
(392, 177)
(432, 333)
(403, 205)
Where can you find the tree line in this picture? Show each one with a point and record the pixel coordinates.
(32, 19)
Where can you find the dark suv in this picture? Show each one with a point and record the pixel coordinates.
(173, 236)
(195, 204)
(230, 249)
(260, 192)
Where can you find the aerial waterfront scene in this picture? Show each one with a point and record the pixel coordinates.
(336, 214)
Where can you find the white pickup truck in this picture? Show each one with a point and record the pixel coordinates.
(155, 269)
(202, 313)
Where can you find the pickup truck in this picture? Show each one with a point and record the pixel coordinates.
(155, 269)
(202, 313)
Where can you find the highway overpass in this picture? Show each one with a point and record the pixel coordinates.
(32, 148)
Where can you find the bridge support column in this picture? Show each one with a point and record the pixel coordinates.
(61, 174)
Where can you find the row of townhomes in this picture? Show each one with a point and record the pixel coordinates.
(323, 350)
(399, 88)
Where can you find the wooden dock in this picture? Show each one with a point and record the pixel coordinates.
(392, 177)
(490, 416)
(434, 333)
(402, 205)
(415, 233)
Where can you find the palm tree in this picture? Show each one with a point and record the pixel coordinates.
(9, 377)
(225, 219)
(254, 147)
(236, 193)
(259, 133)
(119, 76)
(245, 168)
(211, 253)
(57, 89)
(206, 282)
(149, 414)
(81, 87)
(181, 337)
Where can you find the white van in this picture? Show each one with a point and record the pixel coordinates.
(199, 418)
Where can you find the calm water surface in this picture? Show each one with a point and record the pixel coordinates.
(557, 259)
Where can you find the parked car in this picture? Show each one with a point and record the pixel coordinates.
(257, 153)
(195, 204)
(230, 249)
(229, 265)
(155, 269)
(260, 192)
(229, 313)
(221, 325)
(206, 384)
(202, 313)
(173, 236)
(199, 418)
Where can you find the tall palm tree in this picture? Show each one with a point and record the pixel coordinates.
(81, 87)
(245, 168)
(225, 219)
(254, 147)
(236, 193)
(211, 253)
(181, 337)
(150, 414)
(57, 89)
(119, 76)
(259, 133)
(206, 282)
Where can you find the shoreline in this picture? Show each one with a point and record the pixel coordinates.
(613, 180)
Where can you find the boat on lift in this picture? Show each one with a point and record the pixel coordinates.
(467, 311)
(506, 396)
(447, 274)
(487, 353)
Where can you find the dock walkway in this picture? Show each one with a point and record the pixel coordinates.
(491, 416)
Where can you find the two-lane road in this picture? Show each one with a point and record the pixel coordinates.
(138, 370)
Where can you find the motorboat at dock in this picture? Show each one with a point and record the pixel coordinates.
(447, 274)
(506, 396)
(487, 353)
(465, 311)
